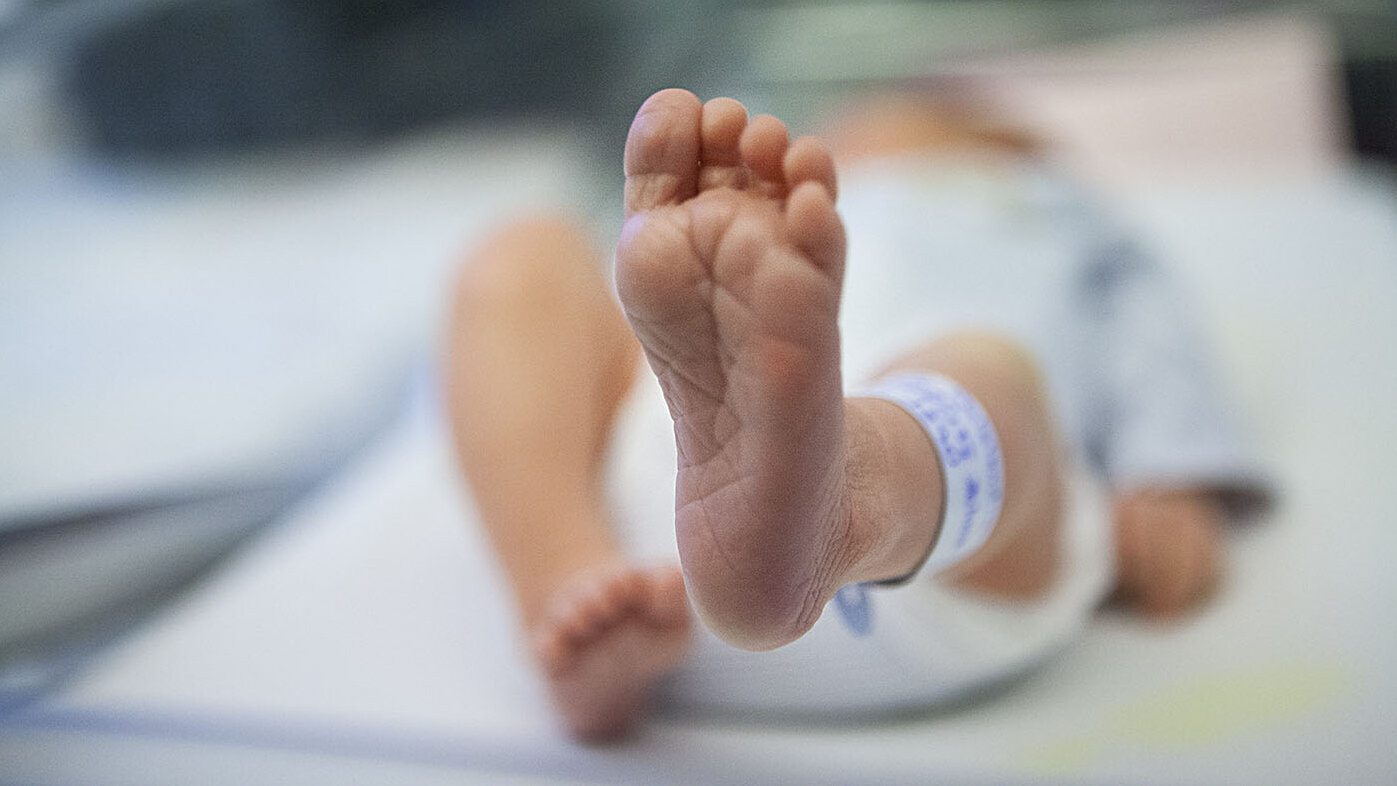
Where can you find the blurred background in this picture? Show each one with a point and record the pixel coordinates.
(227, 227)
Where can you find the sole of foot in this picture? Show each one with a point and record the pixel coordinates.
(730, 271)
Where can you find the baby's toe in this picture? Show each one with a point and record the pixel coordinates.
(723, 122)
(662, 151)
(809, 160)
(666, 603)
(551, 651)
(763, 147)
(813, 226)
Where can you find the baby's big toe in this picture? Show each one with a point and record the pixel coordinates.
(667, 603)
(662, 151)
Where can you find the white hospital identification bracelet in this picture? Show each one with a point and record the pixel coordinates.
(972, 466)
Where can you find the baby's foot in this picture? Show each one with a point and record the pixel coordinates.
(607, 636)
(730, 268)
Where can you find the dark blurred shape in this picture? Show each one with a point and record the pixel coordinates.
(1369, 42)
(1372, 89)
(229, 75)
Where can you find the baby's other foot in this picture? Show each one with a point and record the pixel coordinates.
(607, 636)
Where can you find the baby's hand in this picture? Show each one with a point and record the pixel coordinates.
(1168, 549)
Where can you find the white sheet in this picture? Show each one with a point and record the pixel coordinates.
(182, 349)
(206, 326)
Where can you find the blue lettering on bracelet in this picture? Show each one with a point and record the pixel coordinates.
(856, 609)
(972, 506)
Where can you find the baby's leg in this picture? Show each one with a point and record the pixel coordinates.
(730, 270)
(538, 360)
(1020, 558)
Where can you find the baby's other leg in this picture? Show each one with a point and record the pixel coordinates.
(1019, 558)
(539, 359)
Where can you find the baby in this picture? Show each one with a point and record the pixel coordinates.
(925, 533)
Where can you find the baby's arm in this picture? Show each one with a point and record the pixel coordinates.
(1172, 446)
(1169, 550)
